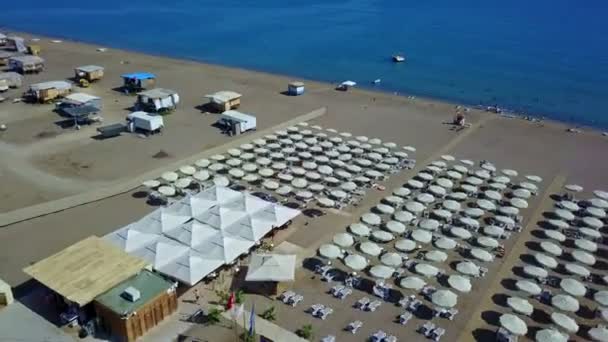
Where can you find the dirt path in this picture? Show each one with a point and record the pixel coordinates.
(512, 258)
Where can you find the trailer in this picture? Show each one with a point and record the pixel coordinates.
(48, 91)
(149, 123)
(112, 130)
(90, 73)
(224, 100)
(26, 64)
(235, 122)
(12, 79)
(157, 99)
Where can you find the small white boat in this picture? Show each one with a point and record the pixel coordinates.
(376, 81)
(398, 58)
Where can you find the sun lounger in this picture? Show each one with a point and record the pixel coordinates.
(294, 300)
(336, 289)
(362, 303)
(344, 293)
(315, 308)
(354, 326)
(426, 328)
(378, 336)
(323, 313)
(390, 338)
(404, 318)
(373, 305)
(414, 305)
(286, 296)
(427, 290)
(328, 338)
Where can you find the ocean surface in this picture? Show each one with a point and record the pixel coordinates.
(548, 58)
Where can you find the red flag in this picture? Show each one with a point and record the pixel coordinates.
(230, 302)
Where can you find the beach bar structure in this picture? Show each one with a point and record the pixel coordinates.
(11, 79)
(224, 100)
(157, 99)
(48, 91)
(137, 81)
(90, 73)
(295, 88)
(271, 272)
(26, 64)
(136, 305)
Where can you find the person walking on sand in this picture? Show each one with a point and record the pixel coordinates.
(197, 296)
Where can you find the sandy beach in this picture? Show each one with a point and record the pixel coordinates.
(43, 162)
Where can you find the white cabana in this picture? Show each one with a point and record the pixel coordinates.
(271, 267)
(412, 283)
(520, 305)
(513, 324)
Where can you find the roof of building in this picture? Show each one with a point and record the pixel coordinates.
(27, 59)
(9, 54)
(81, 97)
(90, 68)
(148, 284)
(271, 267)
(237, 116)
(139, 75)
(18, 323)
(10, 75)
(157, 93)
(296, 84)
(223, 96)
(51, 85)
(85, 269)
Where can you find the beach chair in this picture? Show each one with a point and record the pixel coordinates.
(426, 328)
(354, 326)
(404, 318)
(373, 305)
(390, 338)
(344, 293)
(362, 303)
(428, 290)
(315, 308)
(378, 336)
(414, 305)
(323, 313)
(293, 301)
(329, 338)
(286, 296)
(328, 277)
(335, 290)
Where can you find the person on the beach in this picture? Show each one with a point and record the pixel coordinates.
(197, 296)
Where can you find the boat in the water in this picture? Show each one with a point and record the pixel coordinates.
(376, 81)
(398, 58)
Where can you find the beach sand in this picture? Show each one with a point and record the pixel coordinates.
(43, 162)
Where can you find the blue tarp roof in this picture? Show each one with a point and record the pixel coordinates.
(139, 75)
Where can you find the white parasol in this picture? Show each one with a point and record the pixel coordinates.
(586, 245)
(442, 214)
(573, 187)
(251, 178)
(218, 157)
(501, 179)
(458, 196)
(304, 194)
(330, 251)
(426, 270)
(492, 195)
(551, 248)
(592, 222)
(513, 324)
(601, 297)
(518, 203)
(425, 176)
(599, 333)
(391, 259)
(236, 173)
(564, 214)
(437, 190)
(485, 204)
(423, 236)
(373, 174)
(183, 183)
(355, 262)
(316, 187)
(535, 271)
(382, 236)
(520, 305)
(440, 164)
(493, 231)
(412, 283)
(534, 178)
(221, 181)
(343, 240)
(469, 222)
(403, 216)
(564, 322)
(596, 212)
(187, 170)
(569, 205)
(284, 190)
(528, 186)
(348, 186)
(266, 172)
(414, 207)
(460, 233)
(488, 167)
(447, 157)
(590, 233)
(247, 156)
(435, 256)
(166, 190)
(354, 168)
(370, 248)
(468, 188)
(405, 245)
(561, 224)
(299, 183)
(468, 268)
(460, 283)
(474, 212)
(331, 180)
(414, 184)
(460, 168)
(445, 183)
(151, 184)
(359, 229)
(444, 298)
(270, 185)
(483, 174)
(395, 227)
(583, 257)
(528, 287)
(454, 175)
(285, 177)
(393, 200)
(573, 287)
(312, 176)
(577, 270)
(202, 163)
(169, 176)
(550, 335)
(263, 161)
(429, 224)
(599, 203)
(481, 254)
(445, 243)
(409, 148)
(451, 205)
(545, 260)
(381, 271)
(555, 235)
(508, 211)
(309, 165)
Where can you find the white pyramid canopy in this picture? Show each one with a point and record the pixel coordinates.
(271, 267)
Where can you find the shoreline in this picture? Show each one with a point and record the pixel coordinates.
(534, 118)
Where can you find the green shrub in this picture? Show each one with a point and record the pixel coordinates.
(305, 332)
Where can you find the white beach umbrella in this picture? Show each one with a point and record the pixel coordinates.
(346, 134)
(299, 183)
(508, 211)
(304, 194)
(522, 193)
(573, 187)
(395, 227)
(451, 205)
(343, 174)
(460, 169)
(373, 174)
(403, 216)
(601, 194)
(469, 222)
(501, 179)
(488, 167)
(447, 157)
(468, 188)
(218, 157)
(601, 297)
(363, 162)
(337, 163)
(251, 178)
(444, 298)
(310, 165)
(493, 231)
(445, 243)
(405, 245)
(442, 214)
(564, 214)
(276, 156)
(359, 229)
(370, 248)
(577, 269)
(247, 156)
(497, 186)
(483, 174)
(528, 186)
(467, 268)
(382, 167)
(305, 155)
(555, 235)
(433, 169)
(599, 333)
(520, 305)
(400, 154)
(460, 233)
(426, 270)
(263, 161)
(412, 283)
(518, 203)
(550, 335)
(391, 259)
(545, 260)
(325, 170)
(371, 219)
(445, 183)
(266, 172)
(329, 251)
(221, 181)
(333, 155)
(460, 283)
(166, 190)
(321, 159)
(349, 186)
(423, 236)
(331, 180)
(535, 271)
(298, 171)
(435, 256)
(429, 224)
(202, 163)
(414, 207)
(169, 176)
(534, 178)
(603, 313)
(374, 156)
(440, 164)
(569, 205)
(485, 204)
(585, 245)
(283, 190)
(551, 248)
(285, 177)
(355, 262)
(599, 203)
(458, 196)
(590, 233)
(437, 190)
(183, 183)
(236, 173)
(151, 184)
(338, 194)
(596, 212)
(326, 202)
(573, 287)
(389, 144)
(381, 271)
(467, 162)
(492, 195)
(583, 257)
(312, 176)
(271, 185)
(561, 224)
(316, 187)
(393, 200)
(592, 222)
(513, 324)
(454, 175)
(409, 148)
(528, 287)
(343, 240)
(414, 184)
(354, 169)
(261, 151)
(188, 170)
(476, 181)
(481, 254)
(425, 176)
(564, 322)
(382, 236)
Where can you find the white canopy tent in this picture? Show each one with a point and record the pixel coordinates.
(271, 267)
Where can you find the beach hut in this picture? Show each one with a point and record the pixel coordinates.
(224, 100)
(157, 99)
(138, 81)
(237, 122)
(48, 91)
(26, 64)
(295, 88)
(273, 269)
(90, 73)
(11, 79)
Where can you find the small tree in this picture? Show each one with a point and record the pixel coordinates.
(245, 337)
(213, 316)
(305, 332)
(239, 297)
(269, 314)
(222, 297)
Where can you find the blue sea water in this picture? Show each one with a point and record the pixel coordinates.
(542, 57)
